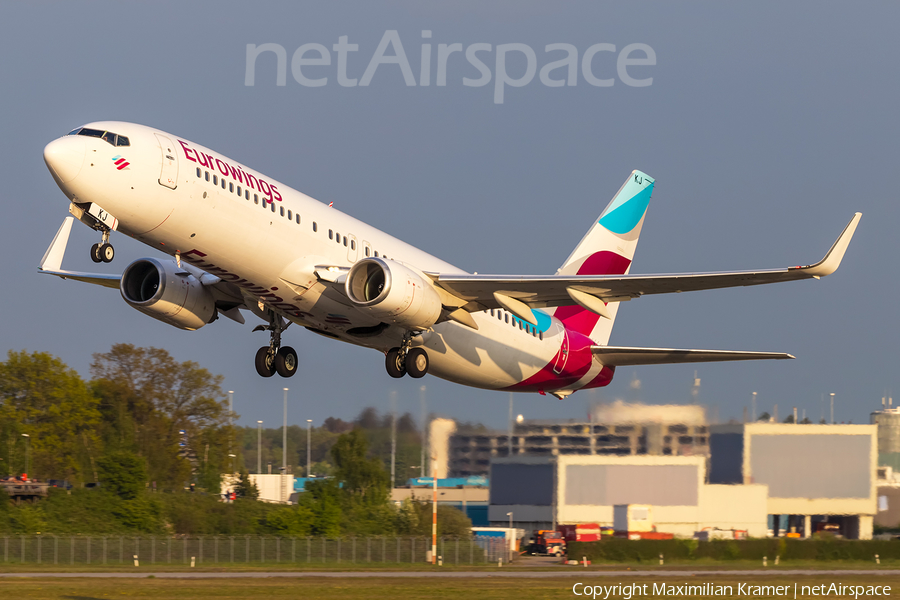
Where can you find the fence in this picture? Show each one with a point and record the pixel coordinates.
(242, 550)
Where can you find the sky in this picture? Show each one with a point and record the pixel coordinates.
(766, 126)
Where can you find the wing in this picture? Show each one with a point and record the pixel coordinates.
(228, 299)
(51, 264)
(624, 356)
(519, 293)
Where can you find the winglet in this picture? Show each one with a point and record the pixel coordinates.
(53, 257)
(832, 260)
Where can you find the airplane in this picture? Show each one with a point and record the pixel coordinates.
(236, 240)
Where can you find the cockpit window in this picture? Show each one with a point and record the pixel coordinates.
(74, 131)
(108, 136)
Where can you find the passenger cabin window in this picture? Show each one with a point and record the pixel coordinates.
(272, 204)
(352, 244)
(367, 251)
(298, 219)
(223, 183)
(282, 210)
(255, 198)
(315, 226)
(206, 175)
(289, 215)
(330, 234)
(247, 194)
(376, 254)
(240, 191)
(345, 240)
(215, 180)
(231, 187)
(198, 172)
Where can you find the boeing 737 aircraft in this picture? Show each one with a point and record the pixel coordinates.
(237, 240)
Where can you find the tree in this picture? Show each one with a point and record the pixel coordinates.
(147, 399)
(123, 473)
(42, 397)
(364, 478)
(764, 418)
(245, 487)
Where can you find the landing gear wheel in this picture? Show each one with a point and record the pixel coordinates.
(417, 363)
(265, 362)
(95, 253)
(107, 253)
(394, 365)
(286, 361)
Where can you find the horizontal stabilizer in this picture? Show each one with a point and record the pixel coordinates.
(625, 356)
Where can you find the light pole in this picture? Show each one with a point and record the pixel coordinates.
(27, 454)
(284, 451)
(308, 445)
(832, 407)
(509, 437)
(753, 407)
(230, 419)
(259, 447)
(511, 533)
(233, 466)
(510, 515)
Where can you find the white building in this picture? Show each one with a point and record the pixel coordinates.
(542, 492)
(815, 474)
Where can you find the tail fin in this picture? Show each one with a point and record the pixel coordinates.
(607, 249)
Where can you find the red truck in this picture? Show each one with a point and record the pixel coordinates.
(548, 542)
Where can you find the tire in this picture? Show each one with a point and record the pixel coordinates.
(107, 253)
(265, 364)
(392, 363)
(417, 363)
(95, 253)
(286, 362)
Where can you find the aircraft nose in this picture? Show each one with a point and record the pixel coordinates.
(65, 157)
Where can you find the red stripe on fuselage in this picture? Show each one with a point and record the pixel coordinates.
(579, 324)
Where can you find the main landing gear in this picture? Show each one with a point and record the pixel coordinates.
(406, 361)
(275, 358)
(104, 251)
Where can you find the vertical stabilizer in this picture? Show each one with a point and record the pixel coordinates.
(607, 249)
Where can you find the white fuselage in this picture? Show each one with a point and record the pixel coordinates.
(170, 196)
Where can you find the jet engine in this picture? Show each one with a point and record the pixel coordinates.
(168, 293)
(393, 293)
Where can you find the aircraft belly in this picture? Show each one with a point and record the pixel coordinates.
(494, 357)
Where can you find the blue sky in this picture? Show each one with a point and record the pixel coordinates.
(766, 126)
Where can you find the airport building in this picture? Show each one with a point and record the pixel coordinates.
(819, 476)
(616, 429)
(759, 479)
(545, 491)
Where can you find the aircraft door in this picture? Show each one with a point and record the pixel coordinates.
(352, 248)
(563, 355)
(168, 175)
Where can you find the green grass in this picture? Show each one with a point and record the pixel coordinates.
(376, 587)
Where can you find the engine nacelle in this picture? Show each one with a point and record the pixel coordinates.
(393, 293)
(168, 293)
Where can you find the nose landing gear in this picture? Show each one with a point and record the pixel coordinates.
(405, 360)
(104, 251)
(275, 358)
